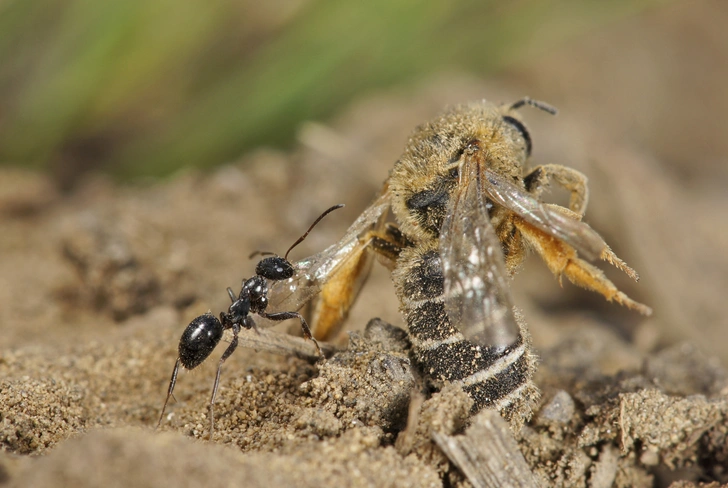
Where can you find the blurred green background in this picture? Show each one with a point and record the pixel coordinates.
(142, 88)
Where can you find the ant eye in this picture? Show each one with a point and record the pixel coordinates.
(518, 125)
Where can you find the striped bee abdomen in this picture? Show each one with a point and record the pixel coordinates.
(494, 378)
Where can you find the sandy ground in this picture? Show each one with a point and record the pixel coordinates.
(96, 288)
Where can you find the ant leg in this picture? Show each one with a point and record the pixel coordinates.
(249, 323)
(230, 349)
(170, 390)
(280, 316)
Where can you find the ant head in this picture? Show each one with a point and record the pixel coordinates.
(274, 268)
(199, 339)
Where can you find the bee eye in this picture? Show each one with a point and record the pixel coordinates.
(518, 125)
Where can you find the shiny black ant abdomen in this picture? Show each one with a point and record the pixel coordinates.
(204, 333)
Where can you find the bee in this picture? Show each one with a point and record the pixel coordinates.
(467, 209)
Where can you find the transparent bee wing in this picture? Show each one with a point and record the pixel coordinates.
(313, 272)
(477, 299)
(574, 232)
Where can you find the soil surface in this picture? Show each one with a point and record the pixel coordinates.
(96, 288)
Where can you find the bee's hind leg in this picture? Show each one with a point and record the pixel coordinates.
(562, 260)
(338, 294)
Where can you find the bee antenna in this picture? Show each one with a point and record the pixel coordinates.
(300, 239)
(534, 103)
(261, 253)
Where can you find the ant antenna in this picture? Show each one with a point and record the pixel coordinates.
(261, 253)
(300, 239)
(534, 103)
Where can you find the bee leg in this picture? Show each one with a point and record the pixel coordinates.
(341, 289)
(395, 236)
(280, 316)
(230, 349)
(607, 254)
(389, 245)
(562, 260)
(570, 179)
(514, 249)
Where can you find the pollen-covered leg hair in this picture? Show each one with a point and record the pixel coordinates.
(339, 293)
(514, 250)
(562, 260)
(570, 179)
(607, 254)
(387, 245)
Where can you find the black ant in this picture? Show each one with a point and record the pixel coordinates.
(204, 332)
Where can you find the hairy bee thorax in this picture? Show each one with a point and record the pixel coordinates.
(426, 174)
(493, 377)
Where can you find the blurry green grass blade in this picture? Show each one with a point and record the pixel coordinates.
(96, 62)
(58, 95)
(321, 61)
(335, 50)
(160, 84)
